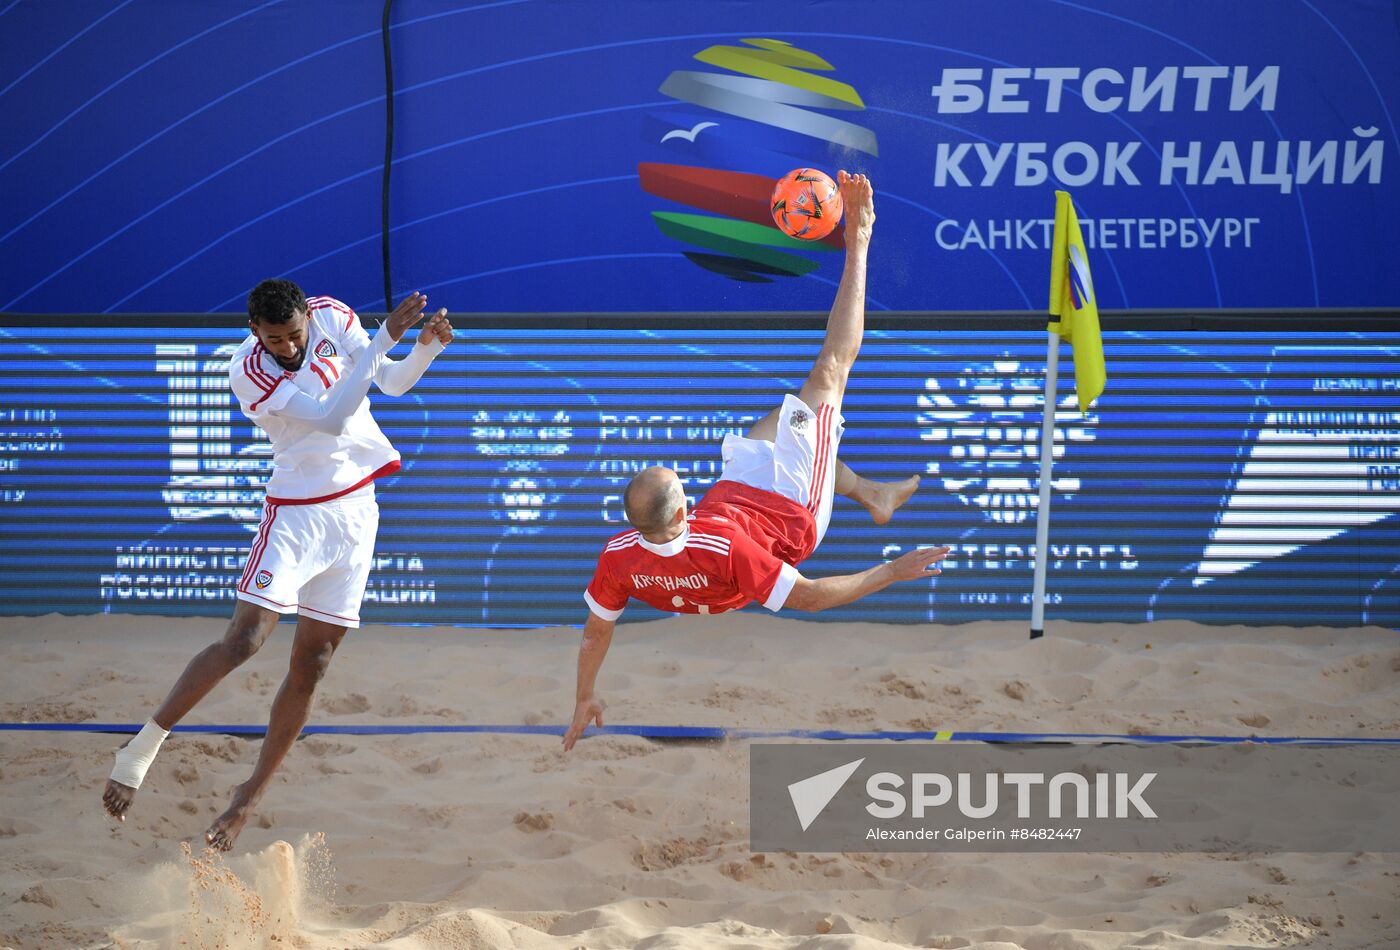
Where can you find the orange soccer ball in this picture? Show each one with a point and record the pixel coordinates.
(806, 204)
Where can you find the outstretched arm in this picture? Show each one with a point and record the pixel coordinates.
(814, 595)
(597, 637)
(397, 377)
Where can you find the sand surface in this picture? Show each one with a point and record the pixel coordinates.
(500, 841)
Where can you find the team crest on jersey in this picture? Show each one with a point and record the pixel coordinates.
(799, 421)
(325, 349)
(263, 579)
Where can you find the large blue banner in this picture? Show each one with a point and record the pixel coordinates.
(1237, 479)
(609, 156)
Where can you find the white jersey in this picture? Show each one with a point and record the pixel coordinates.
(311, 466)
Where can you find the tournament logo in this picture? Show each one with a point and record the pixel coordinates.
(760, 114)
(799, 421)
(325, 349)
(263, 579)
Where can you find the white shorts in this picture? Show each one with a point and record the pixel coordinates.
(313, 559)
(800, 464)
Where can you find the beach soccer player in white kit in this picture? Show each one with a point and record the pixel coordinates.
(767, 513)
(303, 375)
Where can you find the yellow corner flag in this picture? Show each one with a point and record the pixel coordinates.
(1074, 310)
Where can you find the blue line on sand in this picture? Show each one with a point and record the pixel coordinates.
(713, 733)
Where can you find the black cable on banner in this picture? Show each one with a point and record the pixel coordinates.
(388, 156)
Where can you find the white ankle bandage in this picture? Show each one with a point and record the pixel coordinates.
(136, 756)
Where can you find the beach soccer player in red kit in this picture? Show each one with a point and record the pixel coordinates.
(766, 514)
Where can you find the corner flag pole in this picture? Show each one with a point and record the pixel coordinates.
(1042, 511)
(1074, 316)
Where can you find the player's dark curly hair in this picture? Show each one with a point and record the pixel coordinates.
(275, 300)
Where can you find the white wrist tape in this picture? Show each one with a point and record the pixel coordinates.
(135, 758)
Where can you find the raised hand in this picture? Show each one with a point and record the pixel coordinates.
(406, 315)
(437, 328)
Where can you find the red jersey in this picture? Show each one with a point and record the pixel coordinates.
(739, 546)
(788, 530)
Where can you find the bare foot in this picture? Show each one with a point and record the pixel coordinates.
(225, 830)
(887, 497)
(116, 798)
(858, 198)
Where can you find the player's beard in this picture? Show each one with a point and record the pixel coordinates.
(291, 366)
